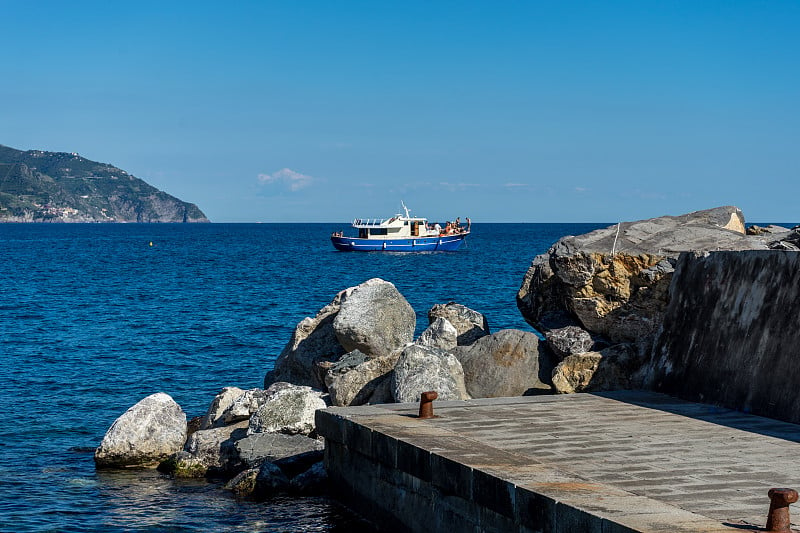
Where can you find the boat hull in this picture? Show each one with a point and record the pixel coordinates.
(444, 243)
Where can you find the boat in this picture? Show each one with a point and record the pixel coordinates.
(402, 233)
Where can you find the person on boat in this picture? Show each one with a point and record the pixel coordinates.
(437, 228)
(469, 224)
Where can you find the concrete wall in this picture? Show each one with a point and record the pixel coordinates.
(731, 334)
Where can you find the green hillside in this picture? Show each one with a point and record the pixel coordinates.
(38, 186)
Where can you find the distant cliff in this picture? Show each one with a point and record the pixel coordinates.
(37, 186)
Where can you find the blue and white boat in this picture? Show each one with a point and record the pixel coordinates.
(402, 233)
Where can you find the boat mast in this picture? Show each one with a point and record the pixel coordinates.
(405, 209)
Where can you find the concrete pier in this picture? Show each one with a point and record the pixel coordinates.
(604, 463)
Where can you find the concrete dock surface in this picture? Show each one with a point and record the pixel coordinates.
(607, 462)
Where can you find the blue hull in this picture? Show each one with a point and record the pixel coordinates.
(446, 243)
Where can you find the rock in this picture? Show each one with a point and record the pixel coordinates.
(567, 341)
(193, 425)
(313, 341)
(507, 363)
(245, 405)
(614, 368)
(144, 435)
(270, 481)
(770, 229)
(789, 241)
(212, 450)
(313, 481)
(243, 485)
(221, 402)
(614, 281)
(422, 368)
(353, 379)
(440, 334)
(287, 409)
(294, 465)
(254, 449)
(383, 391)
(374, 318)
(470, 325)
(183, 465)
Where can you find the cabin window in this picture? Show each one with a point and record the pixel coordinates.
(378, 231)
(362, 233)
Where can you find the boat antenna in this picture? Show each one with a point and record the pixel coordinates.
(405, 209)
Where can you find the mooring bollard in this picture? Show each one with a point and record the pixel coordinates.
(426, 404)
(778, 517)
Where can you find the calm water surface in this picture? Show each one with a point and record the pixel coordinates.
(93, 318)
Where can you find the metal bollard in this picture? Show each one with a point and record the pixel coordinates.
(778, 517)
(426, 404)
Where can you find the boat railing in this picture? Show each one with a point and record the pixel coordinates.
(369, 221)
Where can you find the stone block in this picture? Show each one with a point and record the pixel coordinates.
(384, 449)
(413, 460)
(535, 511)
(358, 438)
(493, 493)
(330, 425)
(451, 477)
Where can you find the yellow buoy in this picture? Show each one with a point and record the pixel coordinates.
(151, 243)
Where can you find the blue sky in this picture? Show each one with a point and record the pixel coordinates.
(501, 111)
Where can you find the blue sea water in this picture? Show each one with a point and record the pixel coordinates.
(94, 317)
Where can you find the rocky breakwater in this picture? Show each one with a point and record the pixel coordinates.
(599, 298)
(358, 349)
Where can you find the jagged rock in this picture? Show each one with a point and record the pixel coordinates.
(194, 424)
(470, 325)
(294, 465)
(440, 334)
(313, 342)
(374, 318)
(287, 409)
(222, 401)
(211, 450)
(507, 363)
(613, 368)
(353, 379)
(614, 281)
(421, 368)
(254, 449)
(383, 391)
(762, 230)
(245, 405)
(789, 241)
(270, 481)
(567, 341)
(144, 435)
(313, 481)
(183, 465)
(243, 485)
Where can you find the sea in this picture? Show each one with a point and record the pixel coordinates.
(94, 317)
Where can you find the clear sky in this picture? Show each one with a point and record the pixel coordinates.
(501, 111)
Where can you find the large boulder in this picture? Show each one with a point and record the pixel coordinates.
(374, 318)
(144, 435)
(507, 363)
(569, 340)
(421, 368)
(470, 325)
(222, 401)
(440, 334)
(354, 378)
(313, 342)
(616, 367)
(245, 405)
(253, 450)
(614, 281)
(207, 452)
(287, 409)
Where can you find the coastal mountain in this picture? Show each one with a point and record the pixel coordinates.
(38, 186)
